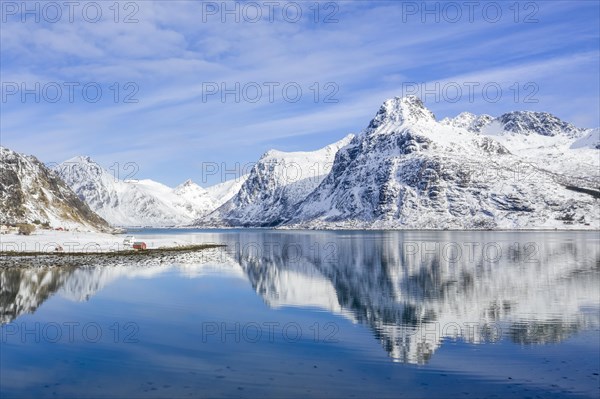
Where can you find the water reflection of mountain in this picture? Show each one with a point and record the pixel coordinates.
(414, 290)
(23, 290)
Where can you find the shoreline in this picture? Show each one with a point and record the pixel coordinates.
(142, 252)
(142, 230)
(72, 242)
(181, 254)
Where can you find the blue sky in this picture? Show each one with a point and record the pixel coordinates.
(541, 55)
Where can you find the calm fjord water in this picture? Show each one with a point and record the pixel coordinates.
(314, 314)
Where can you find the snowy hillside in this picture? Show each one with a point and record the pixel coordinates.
(194, 200)
(31, 192)
(137, 202)
(406, 170)
(279, 181)
(223, 192)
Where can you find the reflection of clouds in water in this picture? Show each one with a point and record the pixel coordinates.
(413, 293)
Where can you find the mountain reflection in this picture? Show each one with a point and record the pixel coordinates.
(416, 289)
(413, 289)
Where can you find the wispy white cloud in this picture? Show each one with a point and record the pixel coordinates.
(369, 54)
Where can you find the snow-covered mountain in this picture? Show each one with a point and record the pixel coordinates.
(275, 185)
(542, 140)
(31, 192)
(138, 202)
(223, 192)
(520, 170)
(516, 122)
(589, 140)
(122, 203)
(406, 170)
(195, 200)
(468, 121)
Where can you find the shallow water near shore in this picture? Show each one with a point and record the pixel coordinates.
(314, 314)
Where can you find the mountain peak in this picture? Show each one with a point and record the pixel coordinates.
(542, 123)
(188, 186)
(187, 183)
(400, 110)
(468, 121)
(80, 160)
(79, 168)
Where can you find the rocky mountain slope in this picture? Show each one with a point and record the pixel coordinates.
(275, 185)
(30, 192)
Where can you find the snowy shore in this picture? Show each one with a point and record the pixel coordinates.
(86, 249)
(74, 241)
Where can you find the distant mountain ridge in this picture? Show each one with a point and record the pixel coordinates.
(142, 202)
(519, 122)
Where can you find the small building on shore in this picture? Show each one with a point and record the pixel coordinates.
(139, 245)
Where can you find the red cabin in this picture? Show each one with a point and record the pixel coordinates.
(139, 245)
